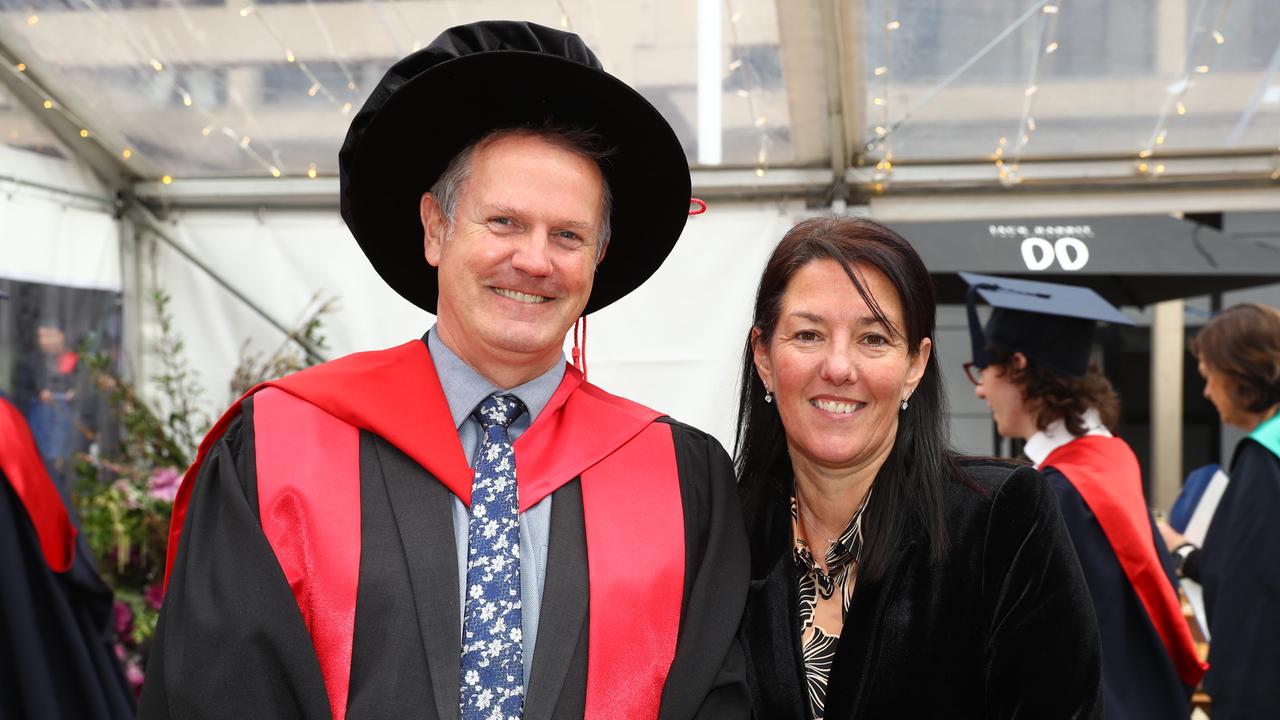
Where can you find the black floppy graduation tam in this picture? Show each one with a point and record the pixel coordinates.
(485, 76)
(1050, 323)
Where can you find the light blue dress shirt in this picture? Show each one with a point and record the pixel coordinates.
(464, 389)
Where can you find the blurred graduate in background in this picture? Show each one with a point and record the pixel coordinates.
(1031, 364)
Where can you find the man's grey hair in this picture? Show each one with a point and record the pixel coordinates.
(585, 142)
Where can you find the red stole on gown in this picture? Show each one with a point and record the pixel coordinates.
(307, 442)
(21, 463)
(1105, 473)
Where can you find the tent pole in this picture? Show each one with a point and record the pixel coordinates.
(139, 214)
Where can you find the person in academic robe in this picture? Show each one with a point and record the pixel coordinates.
(463, 526)
(1031, 364)
(890, 577)
(57, 648)
(1239, 358)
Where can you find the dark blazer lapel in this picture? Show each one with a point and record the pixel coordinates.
(770, 626)
(853, 669)
(423, 509)
(564, 604)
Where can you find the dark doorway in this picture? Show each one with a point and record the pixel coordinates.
(1126, 354)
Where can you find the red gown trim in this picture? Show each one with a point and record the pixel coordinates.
(1105, 472)
(310, 514)
(399, 383)
(21, 463)
(631, 502)
(637, 575)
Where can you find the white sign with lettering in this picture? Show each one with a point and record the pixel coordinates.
(1043, 244)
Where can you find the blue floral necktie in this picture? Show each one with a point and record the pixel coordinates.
(492, 667)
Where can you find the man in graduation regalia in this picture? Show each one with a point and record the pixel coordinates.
(57, 648)
(1031, 365)
(462, 526)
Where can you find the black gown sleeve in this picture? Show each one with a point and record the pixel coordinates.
(57, 655)
(1043, 654)
(231, 642)
(708, 678)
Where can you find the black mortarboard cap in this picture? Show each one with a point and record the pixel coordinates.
(1050, 323)
(494, 74)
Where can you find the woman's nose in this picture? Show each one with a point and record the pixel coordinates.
(839, 368)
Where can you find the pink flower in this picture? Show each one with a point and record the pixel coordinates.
(134, 675)
(154, 596)
(128, 497)
(123, 620)
(164, 484)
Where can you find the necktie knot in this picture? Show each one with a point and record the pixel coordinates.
(498, 410)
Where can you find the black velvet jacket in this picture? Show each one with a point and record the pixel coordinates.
(1004, 628)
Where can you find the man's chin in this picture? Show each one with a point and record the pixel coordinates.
(532, 342)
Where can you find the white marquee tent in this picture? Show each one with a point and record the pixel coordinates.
(191, 145)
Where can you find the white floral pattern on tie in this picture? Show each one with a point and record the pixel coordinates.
(492, 645)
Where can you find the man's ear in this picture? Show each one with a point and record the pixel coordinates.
(600, 253)
(1018, 361)
(435, 226)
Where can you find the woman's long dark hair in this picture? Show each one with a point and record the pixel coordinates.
(909, 485)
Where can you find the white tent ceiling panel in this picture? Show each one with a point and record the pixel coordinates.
(42, 169)
(202, 88)
(49, 235)
(21, 129)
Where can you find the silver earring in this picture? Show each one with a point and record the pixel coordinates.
(904, 404)
(768, 396)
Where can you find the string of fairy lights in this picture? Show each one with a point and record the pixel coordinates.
(1196, 65)
(1007, 157)
(880, 101)
(749, 93)
(259, 150)
(255, 143)
(1010, 173)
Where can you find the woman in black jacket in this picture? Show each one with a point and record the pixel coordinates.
(890, 577)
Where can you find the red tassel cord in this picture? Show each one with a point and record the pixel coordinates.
(580, 345)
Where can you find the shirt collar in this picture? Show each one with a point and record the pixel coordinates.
(464, 388)
(1040, 445)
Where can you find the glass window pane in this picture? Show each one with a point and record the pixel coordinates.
(1072, 78)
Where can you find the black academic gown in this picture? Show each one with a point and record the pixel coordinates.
(1139, 680)
(231, 642)
(1240, 572)
(1002, 629)
(57, 654)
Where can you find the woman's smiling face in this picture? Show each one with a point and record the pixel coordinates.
(838, 374)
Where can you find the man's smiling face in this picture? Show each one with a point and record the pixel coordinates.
(517, 262)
